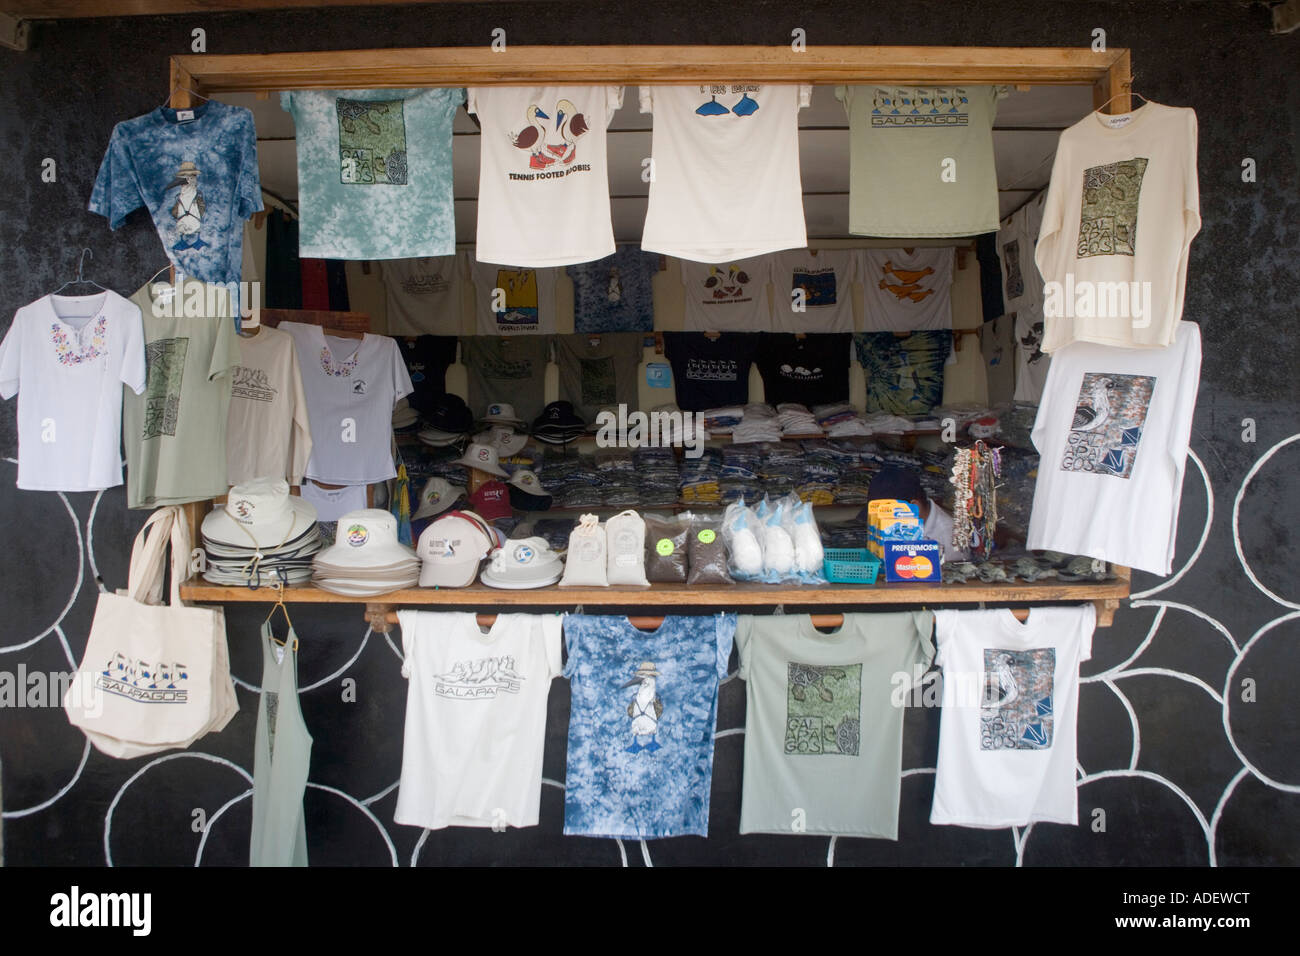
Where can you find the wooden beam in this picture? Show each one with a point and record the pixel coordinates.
(1115, 86)
(81, 9)
(519, 65)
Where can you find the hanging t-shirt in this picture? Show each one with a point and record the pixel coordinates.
(1112, 432)
(175, 431)
(998, 347)
(823, 720)
(710, 371)
(726, 180)
(351, 388)
(331, 504)
(641, 721)
(268, 433)
(599, 371)
(427, 358)
(1121, 212)
(525, 304)
(69, 356)
(727, 297)
(1032, 363)
(921, 160)
(423, 295)
(812, 370)
(507, 370)
(907, 292)
(374, 172)
(1007, 729)
(475, 718)
(822, 276)
(615, 294)
(196, 172)
(904, 375)
(543, 187)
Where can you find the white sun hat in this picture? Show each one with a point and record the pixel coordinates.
(451, 548)
(483, 457)
(503, 438)
(260, 514)
(526, 563)
(502, 413)
(437, 496)
(366, 538)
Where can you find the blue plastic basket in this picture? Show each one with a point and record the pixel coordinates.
(850, 566)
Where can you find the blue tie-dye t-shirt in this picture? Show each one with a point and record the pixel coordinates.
(374, 172)
(614, 294)
(197, 177)
(644, 707)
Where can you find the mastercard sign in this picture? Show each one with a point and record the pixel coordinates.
(912, 561)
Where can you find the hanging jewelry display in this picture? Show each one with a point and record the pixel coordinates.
(975, 506)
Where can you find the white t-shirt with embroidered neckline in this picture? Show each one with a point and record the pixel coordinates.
(67, 358)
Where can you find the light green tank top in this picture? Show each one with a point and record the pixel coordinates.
(283, 756)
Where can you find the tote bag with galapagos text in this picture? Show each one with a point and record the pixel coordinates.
(154, 676)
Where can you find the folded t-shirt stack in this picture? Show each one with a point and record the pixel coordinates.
(698, 484)
(722, 421)
(262, 536)
(840, 420)
(366, 558)
(883, 423)
(657, 476)
(758, 424)
(796, 419)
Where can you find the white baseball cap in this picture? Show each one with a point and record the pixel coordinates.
(483, 457)
(259, 513)
(525, 563)
(437, 496)
(451, 548)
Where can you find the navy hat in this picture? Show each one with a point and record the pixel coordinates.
(451, 414)
(558, 423)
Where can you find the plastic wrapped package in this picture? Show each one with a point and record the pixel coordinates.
(708, 551)
(666, 554)
(740, 534)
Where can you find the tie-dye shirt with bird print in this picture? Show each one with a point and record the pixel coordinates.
(196, 173)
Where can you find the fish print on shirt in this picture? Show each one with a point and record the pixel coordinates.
(480, 679)
(1107, 425)
(823, 709)
(1108, 216)
(165, 361)
(1016, 701)
(906, 283)
(521, 309)
(372, 142)
(818, 286)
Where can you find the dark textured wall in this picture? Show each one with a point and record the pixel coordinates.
(1183, 777)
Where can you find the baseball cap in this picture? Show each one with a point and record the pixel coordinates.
(451, 548)
(491, 500)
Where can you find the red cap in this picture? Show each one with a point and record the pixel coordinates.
(492, 500)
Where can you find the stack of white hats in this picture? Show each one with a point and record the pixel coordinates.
(525, 563)
(261, 537)
(366, 558)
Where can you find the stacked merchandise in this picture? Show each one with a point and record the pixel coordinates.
(573, 480)
(739, 477)
(447, 423)
(617, 468)
(883, 423)
(820, 473)
(260, 537)
(555, 531)
(698, 482)
(781, 467)
(758, 424)
(723, 420)
(839, 420)
(366, 558)
(796, 420)
(657, 476)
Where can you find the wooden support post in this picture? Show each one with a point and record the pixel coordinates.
(377, 617)
(1117, 83)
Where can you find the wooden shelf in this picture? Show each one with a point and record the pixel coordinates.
(1105, 594)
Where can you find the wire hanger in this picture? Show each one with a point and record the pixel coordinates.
(81, 276)
(279, 603)
(1128, 90)
(183, 89)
